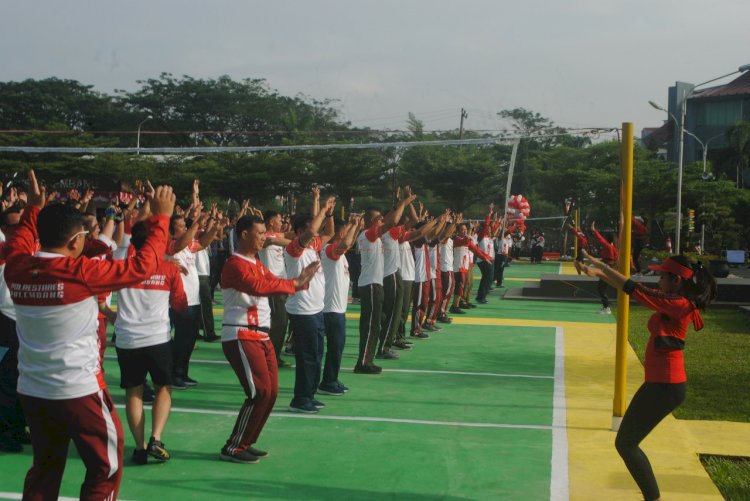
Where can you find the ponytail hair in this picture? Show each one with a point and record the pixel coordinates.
(701, 288)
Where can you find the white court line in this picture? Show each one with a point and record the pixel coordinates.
(233, 413)
(409, 371)
(458, 373)
(559, 481)
(18, 495)
(559, 485)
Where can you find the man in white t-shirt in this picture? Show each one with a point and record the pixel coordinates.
(336, 272)
(371, 283)
(272, 257)
(183, 247)
(305, 308)
(144, 345)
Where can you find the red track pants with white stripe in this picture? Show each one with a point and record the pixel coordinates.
(92, 424)
(254, 362)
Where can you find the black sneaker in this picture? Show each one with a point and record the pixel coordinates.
(444, 319)
(400, 344)
(306, 408)
(482, 301)
(190, 381)
(283, 364)
(140, 456)
(244, 457)
(156, 450)
(342, 386)
(367, 369)
(330, 389)
(318, 404)
(457, 310)
(212, 338)
(179, 384)
(430, 327)
(148, 394)
(421, 335)
(257, 452)
(388, 355)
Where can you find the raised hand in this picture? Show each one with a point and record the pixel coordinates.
(316, 192)
(37, 197)
(163, 201)
(330, 204)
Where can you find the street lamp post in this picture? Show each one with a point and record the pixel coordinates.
(681, 124)
(138, 135)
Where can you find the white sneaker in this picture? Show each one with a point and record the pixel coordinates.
(605, 311)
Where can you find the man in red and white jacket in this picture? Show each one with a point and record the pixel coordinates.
(246, 285)
(144, 345)
(61, 385)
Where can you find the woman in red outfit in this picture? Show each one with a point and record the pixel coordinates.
(684, 289)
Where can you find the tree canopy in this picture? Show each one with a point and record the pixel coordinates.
(553, 166)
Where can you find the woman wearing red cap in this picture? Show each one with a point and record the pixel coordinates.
(684, 289)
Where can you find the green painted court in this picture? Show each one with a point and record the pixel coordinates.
(467, 414)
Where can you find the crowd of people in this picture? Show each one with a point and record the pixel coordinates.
(285, 282)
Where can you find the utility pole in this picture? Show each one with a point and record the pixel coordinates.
(461, 127)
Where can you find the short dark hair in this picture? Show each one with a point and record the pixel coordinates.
(56, 223)
(246, 222)
(369, 212)
(300, 221)
(173, 220)
(138, 234)
(269, 214)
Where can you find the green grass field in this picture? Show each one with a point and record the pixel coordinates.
(466, 414)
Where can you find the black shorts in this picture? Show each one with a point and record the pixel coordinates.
(155, 360)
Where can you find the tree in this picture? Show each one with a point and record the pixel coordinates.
(738, 136)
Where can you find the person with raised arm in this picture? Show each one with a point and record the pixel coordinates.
(684, 289)
(608, 255)
(336, 272)
(370, 282)
(305, 308)
(272, 256)
(61, 385)
(183, 247)
(144, 346)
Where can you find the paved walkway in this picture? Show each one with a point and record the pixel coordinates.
(596, 471)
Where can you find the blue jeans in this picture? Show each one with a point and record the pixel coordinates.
(335, 324)
(309, 331)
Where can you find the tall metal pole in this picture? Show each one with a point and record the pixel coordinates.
(461, 127)
(623, 303)
(678, 230)
(138, 135)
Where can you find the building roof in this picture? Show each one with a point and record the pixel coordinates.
(659, 136)
(737, 87)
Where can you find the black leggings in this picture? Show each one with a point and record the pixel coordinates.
(651, 403)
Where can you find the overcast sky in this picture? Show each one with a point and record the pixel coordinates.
(582, 63)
